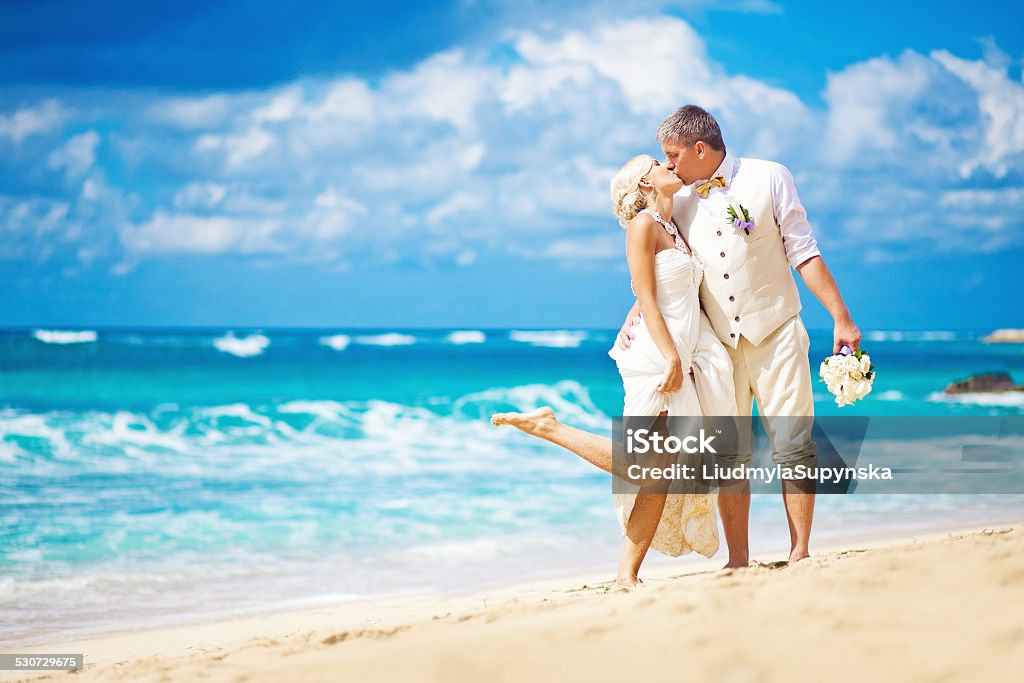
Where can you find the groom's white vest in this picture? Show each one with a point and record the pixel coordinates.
(748, 287)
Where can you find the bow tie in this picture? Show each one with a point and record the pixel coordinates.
(704, 188)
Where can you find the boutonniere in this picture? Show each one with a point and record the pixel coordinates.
(740, 217)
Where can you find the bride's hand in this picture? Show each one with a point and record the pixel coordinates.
(673, 379)
(626, 334)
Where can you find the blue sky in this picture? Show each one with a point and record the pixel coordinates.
(446, 164)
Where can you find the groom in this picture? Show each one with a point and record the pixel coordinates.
(751, 299)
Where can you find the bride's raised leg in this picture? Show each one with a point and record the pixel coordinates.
(597, 450)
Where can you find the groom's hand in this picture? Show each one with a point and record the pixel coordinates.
(626, 335)
(846, 334)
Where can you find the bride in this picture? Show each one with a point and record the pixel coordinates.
(674, 334)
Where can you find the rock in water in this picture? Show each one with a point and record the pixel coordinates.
(1005, 337)
(981, 384)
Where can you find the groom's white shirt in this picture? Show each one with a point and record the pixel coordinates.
(790, 215)
(748, 290)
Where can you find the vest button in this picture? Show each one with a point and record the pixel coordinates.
(726, 276)
(732, 334)
(737, 318)
(722, 254)
(732, 298)
(719, 233)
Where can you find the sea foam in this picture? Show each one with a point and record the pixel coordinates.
(559, 339)
(1008, 399)
(909, 335)
(338, 342)
(467, 337)
(64, 336)
(891, 395)
(390, 339)
(243, 347)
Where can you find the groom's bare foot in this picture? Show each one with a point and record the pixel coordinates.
(536, 422)
(796, 556)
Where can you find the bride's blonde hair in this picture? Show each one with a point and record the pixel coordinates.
(628, 199)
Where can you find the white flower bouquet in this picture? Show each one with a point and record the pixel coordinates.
(848, 375)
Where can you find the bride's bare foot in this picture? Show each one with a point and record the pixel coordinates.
(536, 422)
(628, 582)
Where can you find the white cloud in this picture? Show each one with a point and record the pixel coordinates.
(332, 215)
(191, 112)
(460, 155)
(983, 200)
(77, 155)
(239, 149)
(190, 234)
(459, 204)
(597, 248)
(332, 198)
(922, 112)
(32, 217)
(652, 61)
(1000, 102)
(91, 190)
(33, 119)
(346, 99)
(200, 195)
(282, 107)
(446, 87)
(869, 102)
(87, 255)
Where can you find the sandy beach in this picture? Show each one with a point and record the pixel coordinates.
(942, 606)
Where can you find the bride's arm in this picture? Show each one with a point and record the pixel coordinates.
(641, 241)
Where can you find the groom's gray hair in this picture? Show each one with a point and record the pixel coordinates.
(686, 125)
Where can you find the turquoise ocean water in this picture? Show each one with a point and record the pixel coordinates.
(160, 476)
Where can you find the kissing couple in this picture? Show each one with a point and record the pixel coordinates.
(716, 326)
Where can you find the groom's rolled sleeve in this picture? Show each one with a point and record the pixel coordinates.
(792, 218)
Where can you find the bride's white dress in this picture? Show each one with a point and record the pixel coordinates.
(689, 521)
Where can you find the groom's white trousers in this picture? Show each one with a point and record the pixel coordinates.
(777, 374)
